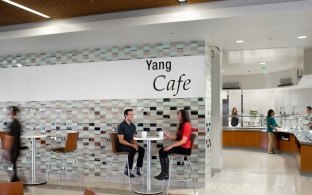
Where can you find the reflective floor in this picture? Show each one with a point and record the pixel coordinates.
(244, 172)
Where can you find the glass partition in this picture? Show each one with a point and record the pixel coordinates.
(290, 121)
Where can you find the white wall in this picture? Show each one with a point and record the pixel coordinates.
(307, 61)
(260, 100)
(102, 80)
(260, 81)
(288, 98)
(265, 99)
(235, 100)
(216, 111)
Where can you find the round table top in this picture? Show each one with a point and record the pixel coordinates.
(149, 138)
(34, 135)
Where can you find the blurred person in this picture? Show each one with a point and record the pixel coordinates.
(309, 117)
(126, 131)
(15, 128)
(182, 144)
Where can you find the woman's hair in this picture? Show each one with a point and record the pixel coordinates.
(185, 119)
(234, 108)
(270, 113)
(14, 109)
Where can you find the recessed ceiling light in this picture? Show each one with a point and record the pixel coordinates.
(182, 1)
(240, 41)
(262, 63)
(26, 8)
(302, 37)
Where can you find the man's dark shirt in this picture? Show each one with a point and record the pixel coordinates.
(15, 130)
(128, 131)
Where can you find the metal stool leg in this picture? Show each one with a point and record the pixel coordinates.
(170, 168)
(78, 167)
(110, 168)
(187, 172)
(190, 163)
(129, 175)
(49, 166)
(61, 167)
(65, 167)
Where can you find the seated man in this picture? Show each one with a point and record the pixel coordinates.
(126, 130)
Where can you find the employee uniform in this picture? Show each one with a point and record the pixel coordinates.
(15, 131)
(309, 118)
(128, 131)
(271, 125)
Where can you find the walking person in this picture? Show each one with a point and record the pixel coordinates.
(182, 143)
(15, 128)
(126, 131)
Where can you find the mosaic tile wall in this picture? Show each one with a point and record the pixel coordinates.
(208, 153)
(105, 54)
(94, 118)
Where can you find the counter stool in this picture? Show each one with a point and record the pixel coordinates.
(9, 188)
(184, 158)
(6, 143)
(70, 147)
(116, 154)
(89, 192)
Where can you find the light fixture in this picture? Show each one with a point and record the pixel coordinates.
(26, 8)
(302, 37)
(262, 63)
(240, 41)
(182, 1)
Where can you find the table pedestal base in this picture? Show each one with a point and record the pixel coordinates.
(152, 191)
(36, 181)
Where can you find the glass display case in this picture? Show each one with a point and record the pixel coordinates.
(299, 122)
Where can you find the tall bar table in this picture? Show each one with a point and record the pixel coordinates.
(34, 180)
(149, 189)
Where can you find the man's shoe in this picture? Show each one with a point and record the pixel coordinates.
(138, 171)
(131, 175)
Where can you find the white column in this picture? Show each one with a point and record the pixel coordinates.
(216, 110)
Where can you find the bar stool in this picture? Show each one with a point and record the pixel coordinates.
(6, 143)
(70, 147)
(116, 154)
(10, 188)
(184, 158)
(89, 192)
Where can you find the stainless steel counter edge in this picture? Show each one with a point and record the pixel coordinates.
(263, 129)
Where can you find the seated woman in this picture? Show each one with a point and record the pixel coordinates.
(182, 143)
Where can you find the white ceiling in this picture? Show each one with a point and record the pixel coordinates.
(261, 26)
(242, 62)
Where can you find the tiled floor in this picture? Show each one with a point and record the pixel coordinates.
(244, 172)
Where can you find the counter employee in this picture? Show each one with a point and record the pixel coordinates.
(271, 125)
(309, 117)
(15, 128)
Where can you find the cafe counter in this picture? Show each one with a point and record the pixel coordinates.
(288, 140)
